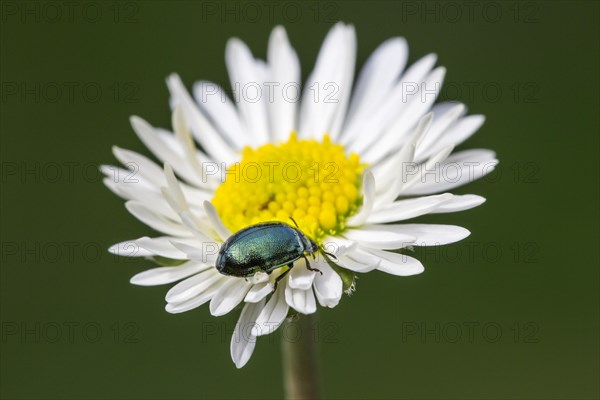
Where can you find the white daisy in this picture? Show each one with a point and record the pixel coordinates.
(347, 168)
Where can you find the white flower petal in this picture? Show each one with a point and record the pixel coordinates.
(258, 292)
(375, 81)
(328, 287)
(195, 249)
(397, 264)
(142, 212)
(396, 101)
(242, 340)
(378, 237)
(161, 246)
(285, 75)
(458, 169)
(127, 176)
(129, 248)
(183, 150)
(415, 74)
(403, 164)
(416, 106)
(301, 277)
(212, 99)
(409, 208)
(258, 277)
(473, 155)
(199, 299)
(127, 192)
(140, 165)
(337, 245)
(155, 142)
(229, 296)
(444, 115)
(459, 203)
(164, 275)
(349, 263)
(369, 189)
(430, 234)
(302, 301)
(359, 260)
(192, 286)
(201, 228)
(174, 188)
(187, 148)
(201, 128)
(346, 80)
(152, 199)
(273, 314)
(327, 88)
(215, 219)
(247, 81)
(457, 133)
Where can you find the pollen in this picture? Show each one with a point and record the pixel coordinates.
(314, 182)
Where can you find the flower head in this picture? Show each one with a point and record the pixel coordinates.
(349, 166)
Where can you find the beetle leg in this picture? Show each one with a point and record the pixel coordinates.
(280, 277)
(308, 267)
(330, 254)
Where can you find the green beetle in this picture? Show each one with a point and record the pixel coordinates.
(265, 247)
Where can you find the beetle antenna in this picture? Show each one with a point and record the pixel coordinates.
(294, 221)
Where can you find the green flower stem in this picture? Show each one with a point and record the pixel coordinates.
(299, 349)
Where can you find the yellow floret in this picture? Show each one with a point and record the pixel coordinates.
(315, 182)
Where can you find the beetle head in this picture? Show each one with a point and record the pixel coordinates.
(309, 245)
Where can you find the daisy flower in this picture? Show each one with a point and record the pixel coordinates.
(349, 162)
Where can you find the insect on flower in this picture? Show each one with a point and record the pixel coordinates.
(264, 248)
(390, 150)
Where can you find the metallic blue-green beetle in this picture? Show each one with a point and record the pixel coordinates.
(264, 247)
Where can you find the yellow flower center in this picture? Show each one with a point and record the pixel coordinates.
(314, 182)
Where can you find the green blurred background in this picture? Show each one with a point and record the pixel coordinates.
(511, 312)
